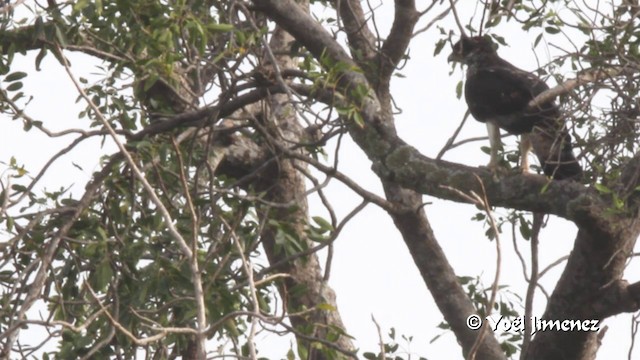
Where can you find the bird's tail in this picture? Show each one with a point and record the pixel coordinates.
(552, 145)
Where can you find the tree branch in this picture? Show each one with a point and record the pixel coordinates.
(398, 39)
(26, 38)
(585, 77)
(620, 296)
(570, 200)
(309, 32)
(211, 114)
(435, 270)
(358, 33)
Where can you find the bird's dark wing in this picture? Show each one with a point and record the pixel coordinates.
(501, 94)
(498, 92)
(552, 145)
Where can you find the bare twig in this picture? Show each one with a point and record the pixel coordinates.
(449, 144)
(48, 164)
(67, 325)
(436, 19)
(195, 269)
(383, 354)
(635, 324)
(365, 194)
(483, 202)
(457, 18)
(248, 269)
(322, 245)
(533, 282)
(162, 332)
(552, 265)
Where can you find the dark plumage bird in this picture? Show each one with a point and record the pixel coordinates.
(498, 94)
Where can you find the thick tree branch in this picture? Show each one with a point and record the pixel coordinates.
(619, 297)
(202, 116)
(395, 46)
(305, 289)
(629, 182)
(589, 289)
(362, 41)
(570, 200)
(291, 17)
(436, 271)
(212, 114)
(314, 36)
(28, 38)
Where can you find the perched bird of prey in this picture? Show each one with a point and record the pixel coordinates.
(498, 94)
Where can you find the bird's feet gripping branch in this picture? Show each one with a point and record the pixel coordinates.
(500, 95)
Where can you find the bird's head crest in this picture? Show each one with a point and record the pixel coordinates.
(468, 48)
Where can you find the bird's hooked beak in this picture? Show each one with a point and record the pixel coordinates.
(454, 57)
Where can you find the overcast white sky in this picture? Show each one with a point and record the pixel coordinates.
(372, 274)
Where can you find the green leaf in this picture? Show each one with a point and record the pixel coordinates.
(537, 40)
(38, 31)
(439, 45)
(552, 30)
(370, 356)
(618, 203)
(291, 355)
(102, 233)
(148, 83)
(17, 96)
(220, 27)
(15, 86)
(39, 57)
(103, 275)
(525, 229)
(60, 37)
(323, 224)
(602, 188)
(357, 118)
(326, 307)
(80, 5)
(19, 188)
(15, 76)
(9, 219)
(545, 187)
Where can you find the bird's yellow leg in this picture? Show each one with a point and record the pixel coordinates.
(525, 148)
(495, 143)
